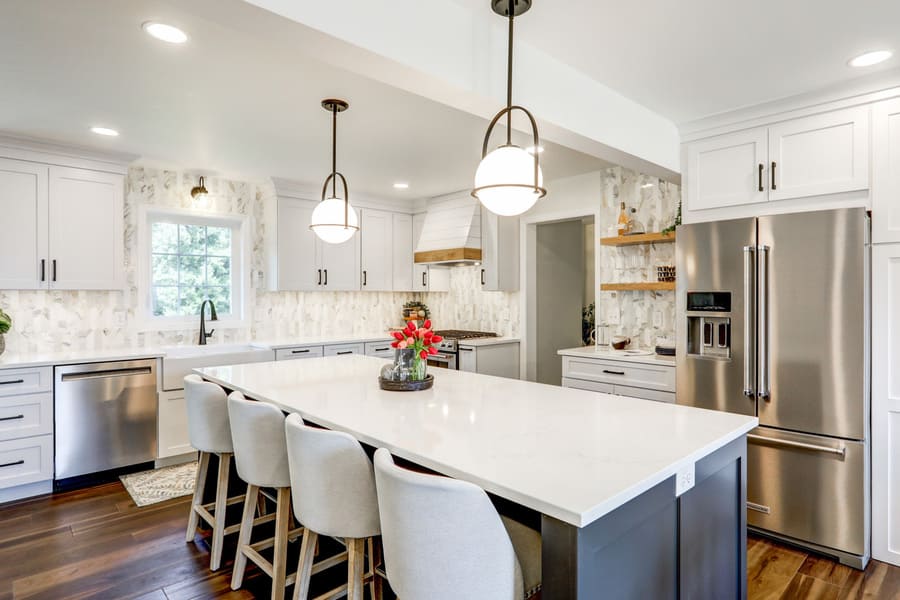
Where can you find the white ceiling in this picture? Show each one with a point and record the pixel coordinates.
(227, 101)
(688, 59)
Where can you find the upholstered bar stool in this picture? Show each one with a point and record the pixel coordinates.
(210, 433)
(333, 487)
(443, 539)
(260, 454)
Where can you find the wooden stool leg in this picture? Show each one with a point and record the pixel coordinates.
(279, 560)
(305, 565)
(199, 487)
(261, 505)
(240, 559)
(376, 586)
(218, 536)
(356, 559)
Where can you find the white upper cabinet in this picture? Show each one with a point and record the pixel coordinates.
(23, 244)
(727, 170)
(340, 265)
(376, 238)
(402, 243)
(499, 252)
(821, 154)
(885, 171)
(86, 229)
(296, 257)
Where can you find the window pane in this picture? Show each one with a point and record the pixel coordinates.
(218, 271)
(164, 238)
(221, 297)
(165, 301)
(191, 239)
(165, 269)
(192, 270)
(191, 299)
(218, 241)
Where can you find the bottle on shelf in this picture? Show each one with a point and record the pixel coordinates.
(623, 225)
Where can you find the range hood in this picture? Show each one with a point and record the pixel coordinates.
(451, 234)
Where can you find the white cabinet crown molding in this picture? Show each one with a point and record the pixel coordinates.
(35, 150)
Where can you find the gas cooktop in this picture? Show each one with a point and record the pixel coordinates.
(458, 334)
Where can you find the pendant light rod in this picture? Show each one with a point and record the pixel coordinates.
(333, 150)
(509, 75)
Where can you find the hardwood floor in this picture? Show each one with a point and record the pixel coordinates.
(95, 543)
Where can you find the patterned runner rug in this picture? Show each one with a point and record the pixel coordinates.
(159, 485)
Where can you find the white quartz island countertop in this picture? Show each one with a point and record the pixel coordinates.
(570, 454)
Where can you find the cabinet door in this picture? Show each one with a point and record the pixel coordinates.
(468, 359)
(340, 265)
(23, 244)
(725, 170)
(438, 279)
(296, 247)
(402, 262)
(886, 171)
(87, 243)
(886, 403)
(344, 349)
(499, 252)
(377, 255)
(172, 425)
(821, 154)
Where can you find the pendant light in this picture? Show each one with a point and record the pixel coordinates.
(333, 219)
(509, 179)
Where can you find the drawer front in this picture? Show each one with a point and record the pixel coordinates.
(14, 382)
(380, 349)
(299, 352)
(651, 377)
(341, 349)
(24, 416)
(633, 392)
(24, 461)
(808, 492)
(591, 386)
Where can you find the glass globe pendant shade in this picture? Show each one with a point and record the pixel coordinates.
(328, 221)
(511, 170)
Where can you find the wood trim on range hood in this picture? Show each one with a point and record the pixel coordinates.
(453, 255)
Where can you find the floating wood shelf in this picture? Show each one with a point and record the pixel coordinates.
(638, 238)
(648, 286)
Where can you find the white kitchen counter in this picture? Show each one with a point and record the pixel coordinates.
(70, 356)
(570, 454)
(489, 341)
(322, 340)
(622, 355)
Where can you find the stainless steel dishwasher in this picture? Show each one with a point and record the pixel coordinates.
(105, 416)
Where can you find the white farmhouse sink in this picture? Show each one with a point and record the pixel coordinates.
(179, 361)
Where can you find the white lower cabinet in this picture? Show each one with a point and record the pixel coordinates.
(25, 461)
(648, 381)
(343, 349)
(500, 360)
(886, 403)
(380, 349)
(26, 432)
(298, 352)
(173, 438)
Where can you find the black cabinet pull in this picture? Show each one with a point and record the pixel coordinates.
(345, 352)
(12, 464)
(12, 381)
(608, 372)
(761, 167)
(15, 418)
(326, 276)
(774, 187)
(482, 277)
(54, 269)
(364, 278)
(424, 274)
(381, 349)
(461, 349)
(320, 277)
(300, 351)
(43, 269)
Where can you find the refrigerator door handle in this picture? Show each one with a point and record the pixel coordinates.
(840, 450)
(762, 367)
(749, 319)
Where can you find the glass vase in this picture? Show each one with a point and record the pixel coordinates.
(420, 368)
(403, 363)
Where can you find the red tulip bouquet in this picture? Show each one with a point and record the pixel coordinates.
(420, 343)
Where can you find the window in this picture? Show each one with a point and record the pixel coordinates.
(193, 259)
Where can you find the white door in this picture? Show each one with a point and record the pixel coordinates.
(727, 170)
(403, 253)
(23, 243)
(377, 255)
(87, 242)
(886, 403)
(468, 359)
(886, 171)
(821, 154)
(172, 425)
(296, 247)
(340, 265)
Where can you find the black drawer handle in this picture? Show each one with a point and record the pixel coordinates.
(12, 418)
(482, 277)
(608, 372)
(760, 187)
(12, 382)
(365, 279)
(300, 351)
(465, 349)
(381, 349)
(345, 352)
(774, 187)
(13, 464)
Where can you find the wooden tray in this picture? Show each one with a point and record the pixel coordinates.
(407, 386)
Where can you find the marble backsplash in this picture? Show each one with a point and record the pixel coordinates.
(467, 306)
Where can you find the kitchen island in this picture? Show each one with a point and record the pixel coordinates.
(637, 499)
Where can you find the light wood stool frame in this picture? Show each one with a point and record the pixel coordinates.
(213, 513)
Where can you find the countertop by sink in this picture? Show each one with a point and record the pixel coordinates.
(593, 352)
(489, 341)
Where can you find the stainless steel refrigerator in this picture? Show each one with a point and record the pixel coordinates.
(773, 320)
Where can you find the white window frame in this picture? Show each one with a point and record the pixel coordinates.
(240, 267)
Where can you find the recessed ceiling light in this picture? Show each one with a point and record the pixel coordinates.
(165, 33)
(104, 131)
(870, 58)
(401, 186)
(530, 149)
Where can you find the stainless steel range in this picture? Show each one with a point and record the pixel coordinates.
(448, 349)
